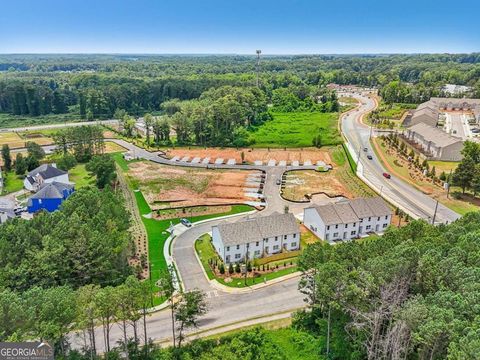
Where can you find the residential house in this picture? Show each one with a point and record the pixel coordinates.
(44, 174)
(49, 197)
(256, 237)
(346, 220)
(435, 143)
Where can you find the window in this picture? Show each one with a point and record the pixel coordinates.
(284, 237)
(275, 247)
(276, 238)
(256, 253)
(228, 248)
(378, 218)
(227, 258)
(354, 224)
(294, 244)
(386, 217)
(335, 234)
(238, 256)
(361, 220)
(266, 240)
(369, 219)
(328, 227)
(257, 243)
(353, 232)
(336, 226)
(368, 227)
(346, 226)
(238, 247)
(294, 236)
(385, 225)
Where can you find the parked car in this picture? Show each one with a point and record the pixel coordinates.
(278, 182)
(186, 222)
(369, 157)
(365, 149)
(387, 175)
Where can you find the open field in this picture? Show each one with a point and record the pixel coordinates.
(340, 181)
(251, 155)
(10, 121)
(80, 176)
(111, 147)
(297, 130)
(166, 186)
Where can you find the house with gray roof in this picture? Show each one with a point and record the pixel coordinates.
(256, 237)
(346, 220)
(49, 197)
(435, 143)
(44, 174)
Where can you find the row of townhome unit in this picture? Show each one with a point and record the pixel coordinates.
(347, 220)
(257, 237)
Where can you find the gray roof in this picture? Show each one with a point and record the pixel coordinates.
(251, 230)
(47, 171)
(350, 211)
(53, 190)
(431, 133)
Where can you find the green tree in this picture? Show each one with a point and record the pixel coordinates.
(20, 164)
(148, 118)
(32, 162)
(66, 161)
(464, 173)
(166, 287)
(34, 150)
(103, 167)
(7, 159)
(190, 307)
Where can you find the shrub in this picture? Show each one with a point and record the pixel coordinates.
(222, 269)
(237, 268)
(230, 269)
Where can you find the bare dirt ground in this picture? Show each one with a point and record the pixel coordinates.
(166, 186)
(307, 182)
(252, 155)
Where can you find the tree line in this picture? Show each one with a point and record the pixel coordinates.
(411, 293)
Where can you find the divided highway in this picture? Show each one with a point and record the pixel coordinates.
(395, 190)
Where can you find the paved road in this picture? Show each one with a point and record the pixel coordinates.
(396, 190)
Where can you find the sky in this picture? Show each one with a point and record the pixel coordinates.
(239, 26)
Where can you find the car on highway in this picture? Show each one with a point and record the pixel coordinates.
(186, 222)
(369, 157)
(387, 175)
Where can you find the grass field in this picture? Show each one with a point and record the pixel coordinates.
(80, 176)
(10, 121)
(297, 130)
(12, 182)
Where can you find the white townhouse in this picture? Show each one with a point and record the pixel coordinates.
(347, 220)
(256, 237)
(45, 173)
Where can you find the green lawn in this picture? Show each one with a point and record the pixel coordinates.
(12, 182)
(297, 130)
(80, 176)
(7, 120)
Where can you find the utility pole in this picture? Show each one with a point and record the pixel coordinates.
(449, 180)
(258, 67)
(435, 213)
(359, 153)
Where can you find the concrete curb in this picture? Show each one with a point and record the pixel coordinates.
(170, 259)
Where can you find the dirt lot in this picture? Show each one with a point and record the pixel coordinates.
(166, 186)
(111, 147)
(15, 141)
(300, 183)
(311, 154)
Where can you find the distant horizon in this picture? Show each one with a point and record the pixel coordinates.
(242, 53)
